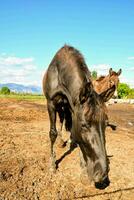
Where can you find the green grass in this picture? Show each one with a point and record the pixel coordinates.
(23, 96)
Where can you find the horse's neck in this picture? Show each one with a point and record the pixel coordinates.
(99, 85)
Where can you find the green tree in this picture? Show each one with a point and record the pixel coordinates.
(131, 94)
(94, 74)
(123, 90)
(5, 90)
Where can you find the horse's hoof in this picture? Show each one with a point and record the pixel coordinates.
(73, 145)
(53, 168)
(62, 144)
(53, 164)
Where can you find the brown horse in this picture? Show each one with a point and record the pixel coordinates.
(103, 83)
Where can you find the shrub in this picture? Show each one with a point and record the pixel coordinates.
(131, 94)
(5, 90)
(123, 90)
(94, 75)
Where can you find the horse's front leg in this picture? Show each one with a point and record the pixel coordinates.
(112, 126)
(53, 132)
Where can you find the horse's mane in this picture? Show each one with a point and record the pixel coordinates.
(100, 78)
(97, 109)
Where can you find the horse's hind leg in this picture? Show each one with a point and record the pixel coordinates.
(53, 131)
(68, 125)
(61, 117)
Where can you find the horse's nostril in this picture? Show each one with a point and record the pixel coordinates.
(103, 184)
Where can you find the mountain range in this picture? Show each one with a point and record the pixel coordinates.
(22, 88)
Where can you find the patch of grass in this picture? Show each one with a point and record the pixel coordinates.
(21, 96)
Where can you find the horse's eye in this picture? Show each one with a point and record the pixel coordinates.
(85, 126)
(111, 82)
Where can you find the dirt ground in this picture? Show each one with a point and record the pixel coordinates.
(25, 172)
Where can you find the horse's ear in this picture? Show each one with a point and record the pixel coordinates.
(119, 72)
(106, 95)
(85, 92)
(110, 71)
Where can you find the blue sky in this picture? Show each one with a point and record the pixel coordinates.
(32, 31)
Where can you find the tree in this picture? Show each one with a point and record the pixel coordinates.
(5, 90)
(94, 74)
(123, 90)
(131, 93)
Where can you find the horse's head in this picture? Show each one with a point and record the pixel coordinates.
(107, 83)
(91, 124)
(114, 77)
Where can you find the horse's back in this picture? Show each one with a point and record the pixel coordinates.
(67, 72)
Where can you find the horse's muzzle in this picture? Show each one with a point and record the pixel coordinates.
(103, 184)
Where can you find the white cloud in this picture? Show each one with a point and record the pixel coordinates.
(131, 69)
(101, 66)
(129, 81)
(102, 69)
(131, 58)
(12, 60)
(29, 67)
(19, 70)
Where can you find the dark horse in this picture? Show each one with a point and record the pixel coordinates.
(69, 92)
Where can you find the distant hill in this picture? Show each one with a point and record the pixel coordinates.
(22, 88)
